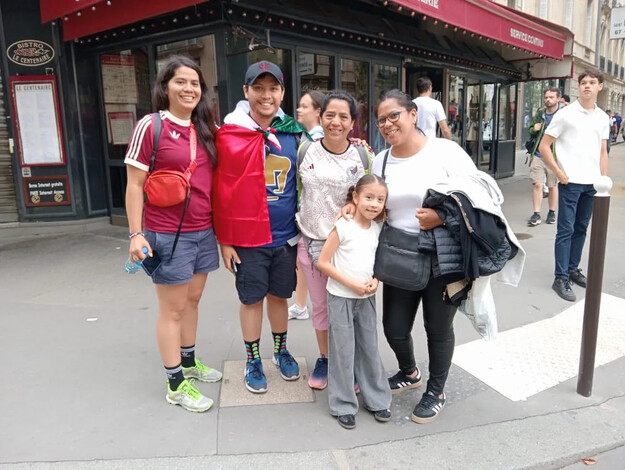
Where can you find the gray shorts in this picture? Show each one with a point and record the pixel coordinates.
(196, 253)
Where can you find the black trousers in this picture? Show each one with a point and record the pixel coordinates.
(399, 307)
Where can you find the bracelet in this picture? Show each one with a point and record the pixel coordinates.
(134, 234)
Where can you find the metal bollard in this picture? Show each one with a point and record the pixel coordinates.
(592, 303)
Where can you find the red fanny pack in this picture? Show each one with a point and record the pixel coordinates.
(165, 188)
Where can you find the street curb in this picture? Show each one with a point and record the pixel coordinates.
(542, 442)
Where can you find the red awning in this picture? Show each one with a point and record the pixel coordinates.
(497, 22)
(85, 17)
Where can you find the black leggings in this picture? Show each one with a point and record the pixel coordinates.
(399, 307)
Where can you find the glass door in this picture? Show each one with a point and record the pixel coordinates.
(456, 110)
(355, 81)
(385, 77)
(126, 92)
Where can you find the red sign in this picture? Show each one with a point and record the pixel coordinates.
(488, 19)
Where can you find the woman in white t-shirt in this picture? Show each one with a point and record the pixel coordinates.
(327, 170)
(413, 164)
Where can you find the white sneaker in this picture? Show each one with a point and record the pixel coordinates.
(298, 313)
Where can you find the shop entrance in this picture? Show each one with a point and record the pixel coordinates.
(8, 206)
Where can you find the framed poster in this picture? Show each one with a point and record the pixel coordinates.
(121, 124)
(46, 191)
(37, 120)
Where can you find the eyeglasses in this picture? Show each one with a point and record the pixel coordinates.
(392, 117)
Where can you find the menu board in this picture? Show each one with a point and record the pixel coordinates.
(37, 120)
(119, 79)
(121, 125)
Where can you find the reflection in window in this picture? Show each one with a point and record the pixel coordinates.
(385, 77)
(355, 80)
(202, 50)
(456, 107)
(507, 112)
(316, 72)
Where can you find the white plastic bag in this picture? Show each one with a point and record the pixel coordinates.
(479, 307)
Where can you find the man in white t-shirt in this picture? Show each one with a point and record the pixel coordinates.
(430, 111)
(581, 132)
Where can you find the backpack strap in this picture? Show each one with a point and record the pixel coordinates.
(301, 152)
(156, 134)
(365, 157)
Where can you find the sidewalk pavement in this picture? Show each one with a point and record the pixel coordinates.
(83, 386)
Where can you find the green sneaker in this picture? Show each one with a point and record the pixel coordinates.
(189, 397)
(202, 373)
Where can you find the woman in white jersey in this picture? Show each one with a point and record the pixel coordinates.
(327, 170)
(413, 164)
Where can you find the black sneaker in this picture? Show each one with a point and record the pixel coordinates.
(576, 276)
(534, 220)
(400, 382)
(382, 416)
(428, 408)
(347, 421)
(563, 289)
(551, 217)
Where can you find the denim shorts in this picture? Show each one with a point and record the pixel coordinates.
(196, 253)
(265, 271)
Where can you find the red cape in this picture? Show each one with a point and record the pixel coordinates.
(240, 212)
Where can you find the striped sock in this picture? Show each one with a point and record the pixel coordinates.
(279, 342)
(252, 350)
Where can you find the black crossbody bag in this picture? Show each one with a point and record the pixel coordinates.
(398, 261)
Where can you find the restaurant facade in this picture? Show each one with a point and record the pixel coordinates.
(77, 74)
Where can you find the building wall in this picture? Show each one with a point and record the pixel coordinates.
(580, 16)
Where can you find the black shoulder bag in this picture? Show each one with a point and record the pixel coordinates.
(398, 261)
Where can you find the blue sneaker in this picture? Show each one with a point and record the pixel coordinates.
(255, 380)
(289, 370)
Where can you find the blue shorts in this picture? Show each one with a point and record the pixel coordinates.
(265, 271)
(196, 253)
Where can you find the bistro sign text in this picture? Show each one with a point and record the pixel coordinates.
(30, 53)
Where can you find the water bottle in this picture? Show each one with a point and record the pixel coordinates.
(131, 266)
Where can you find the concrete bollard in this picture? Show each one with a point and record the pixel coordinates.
(592, 303)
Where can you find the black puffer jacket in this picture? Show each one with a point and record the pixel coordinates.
(471, 240)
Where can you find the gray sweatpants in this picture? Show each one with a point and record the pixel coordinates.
(353, 342)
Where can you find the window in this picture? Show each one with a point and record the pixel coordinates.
(543, 7)
(355, 81)
(568, 14)
(385, 77)
(588, 28)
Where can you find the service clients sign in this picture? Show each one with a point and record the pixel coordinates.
(30, 53)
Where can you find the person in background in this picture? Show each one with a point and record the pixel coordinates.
(347, 259)
(181, 96)
(564, 100)
(581, 134)
(308, 115)
(430, 111)
(611, 127)
(255, 200)
(617, 120)
(327, 170)
(539, 172)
